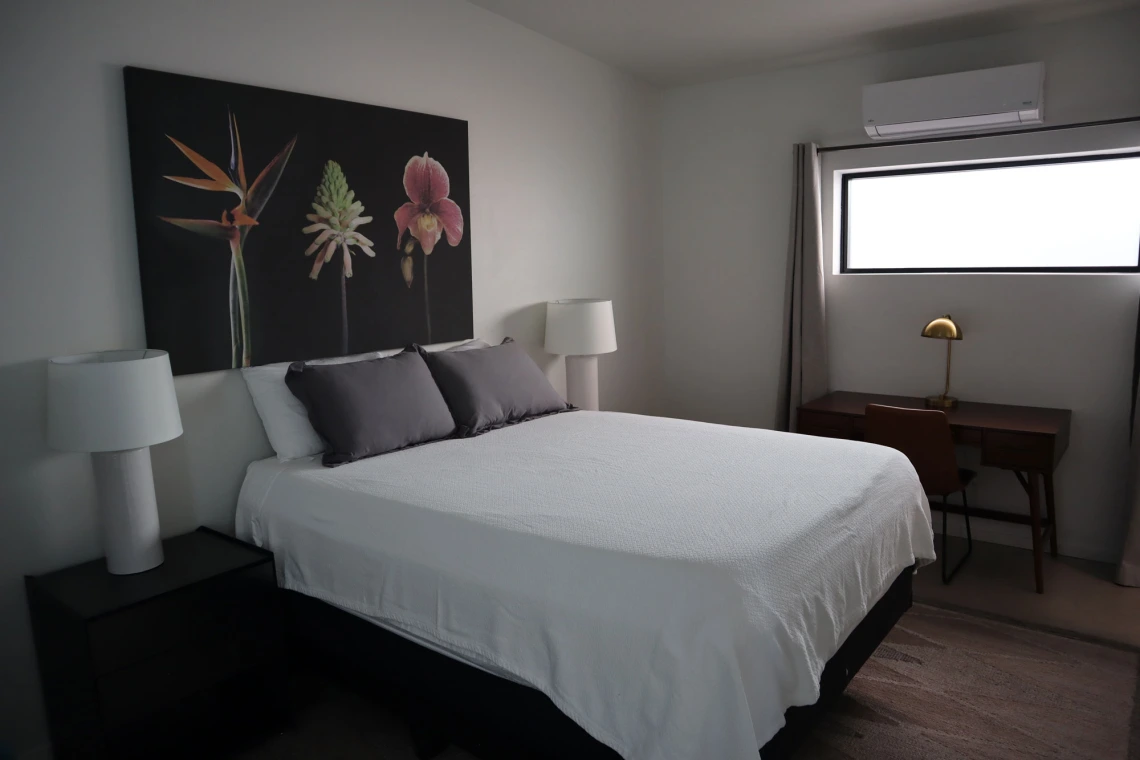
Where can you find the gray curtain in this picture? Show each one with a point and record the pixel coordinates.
(805, 346)
(1128, 574)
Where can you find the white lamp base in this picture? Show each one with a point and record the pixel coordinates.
(128, 510)
(582, 381)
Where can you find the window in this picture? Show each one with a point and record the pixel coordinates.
(1070, 214)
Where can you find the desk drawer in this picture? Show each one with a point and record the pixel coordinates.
(824, 424)
(1017, 451)
(967, 436)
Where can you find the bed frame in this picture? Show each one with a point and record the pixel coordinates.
(445, 700)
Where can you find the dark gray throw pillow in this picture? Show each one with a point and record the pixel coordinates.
(371, 407)
(488, 388)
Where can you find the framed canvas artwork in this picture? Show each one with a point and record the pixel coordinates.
(274, 226)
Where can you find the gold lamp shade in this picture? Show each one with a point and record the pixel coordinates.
(948, 330)
(944, 327)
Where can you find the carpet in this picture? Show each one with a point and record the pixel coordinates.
(943, 686)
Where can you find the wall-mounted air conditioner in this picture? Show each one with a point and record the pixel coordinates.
(953, 103)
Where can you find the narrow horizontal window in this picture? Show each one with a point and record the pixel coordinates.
(1071, 214)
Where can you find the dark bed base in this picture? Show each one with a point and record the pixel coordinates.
(445, 700)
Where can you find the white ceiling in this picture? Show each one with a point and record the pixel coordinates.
(679, 41)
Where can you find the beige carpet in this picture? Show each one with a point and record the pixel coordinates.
(948, 685)
(944, 685)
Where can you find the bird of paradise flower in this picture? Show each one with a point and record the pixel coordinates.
(338, 214)
(235, 223)
(427, 216)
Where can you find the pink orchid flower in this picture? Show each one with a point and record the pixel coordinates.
(429, 213)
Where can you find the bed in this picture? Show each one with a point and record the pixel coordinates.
(676, 589)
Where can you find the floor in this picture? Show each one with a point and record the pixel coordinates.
(1080, 596)
(943, 686)
(872, 724)
(336, 723)
(955, 686)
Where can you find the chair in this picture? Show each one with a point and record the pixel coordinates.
(924, 436)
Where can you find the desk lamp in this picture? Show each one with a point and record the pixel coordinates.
(945, 328)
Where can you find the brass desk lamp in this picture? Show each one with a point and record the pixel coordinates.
(945, 328)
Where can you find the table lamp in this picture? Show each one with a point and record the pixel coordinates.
(116, 404)
(581, 328)
(945, 328)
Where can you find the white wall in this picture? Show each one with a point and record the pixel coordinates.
(1063, 341)
(563, 166)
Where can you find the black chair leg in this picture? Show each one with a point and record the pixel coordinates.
(949, 576)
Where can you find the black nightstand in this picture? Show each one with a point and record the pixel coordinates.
(164, 663)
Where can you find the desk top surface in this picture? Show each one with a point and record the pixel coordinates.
(973, 414)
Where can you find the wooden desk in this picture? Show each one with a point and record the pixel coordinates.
(1027, 440)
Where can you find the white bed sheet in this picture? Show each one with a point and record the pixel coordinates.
(673, 586)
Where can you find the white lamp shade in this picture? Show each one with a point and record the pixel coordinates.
(580, 327)
(111, 401)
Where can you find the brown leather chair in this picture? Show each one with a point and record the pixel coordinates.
(924, 436)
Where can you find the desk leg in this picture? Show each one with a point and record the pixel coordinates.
(1051, 512)
(1035, 526)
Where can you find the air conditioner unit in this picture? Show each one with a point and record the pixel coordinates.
(954, 103)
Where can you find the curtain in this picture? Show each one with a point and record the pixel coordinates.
(805, 345)
(1128, 574)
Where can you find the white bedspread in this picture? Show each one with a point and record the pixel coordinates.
(673, 586)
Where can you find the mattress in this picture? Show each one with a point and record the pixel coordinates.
(673, 586)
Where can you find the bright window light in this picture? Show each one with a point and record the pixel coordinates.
(1056, 214)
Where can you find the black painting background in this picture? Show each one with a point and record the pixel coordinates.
(185, 276)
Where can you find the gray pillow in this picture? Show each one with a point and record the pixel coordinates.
(488, 388)
(371, 407)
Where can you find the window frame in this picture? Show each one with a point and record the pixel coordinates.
(847, 176)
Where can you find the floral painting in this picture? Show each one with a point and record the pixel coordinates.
(427, 215)
(262, 223)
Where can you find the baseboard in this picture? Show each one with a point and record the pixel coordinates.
(1021, 623)
(1017, 536)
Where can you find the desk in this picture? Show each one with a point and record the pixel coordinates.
(1027, 440)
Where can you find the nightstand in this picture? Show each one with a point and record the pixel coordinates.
(164, 663)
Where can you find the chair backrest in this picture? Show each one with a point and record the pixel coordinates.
(923, 435)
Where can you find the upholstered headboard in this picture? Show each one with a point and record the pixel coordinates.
(198, 475)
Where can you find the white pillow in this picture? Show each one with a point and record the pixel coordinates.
(465, 346)
(285, 419)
